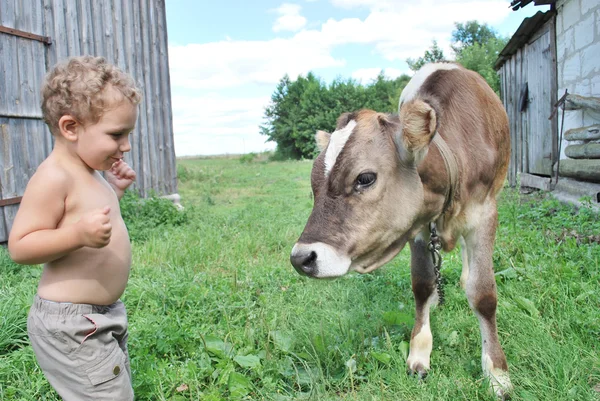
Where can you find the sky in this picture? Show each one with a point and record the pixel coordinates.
(226, 57)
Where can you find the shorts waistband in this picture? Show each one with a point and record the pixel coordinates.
(69, 308)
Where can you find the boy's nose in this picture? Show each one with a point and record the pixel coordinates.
(125, 145)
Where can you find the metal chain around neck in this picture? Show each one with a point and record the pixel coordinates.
(434, 246)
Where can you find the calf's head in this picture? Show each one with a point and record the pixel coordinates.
(367, 191)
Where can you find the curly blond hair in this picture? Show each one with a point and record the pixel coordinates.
(78, 86)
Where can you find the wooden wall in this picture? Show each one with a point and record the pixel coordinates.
(129, 33)
(534, 140)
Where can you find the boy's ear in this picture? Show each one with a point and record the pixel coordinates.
(69, 127)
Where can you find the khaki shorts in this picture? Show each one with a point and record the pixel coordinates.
(82, 349)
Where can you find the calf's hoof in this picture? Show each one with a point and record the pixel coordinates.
(417, 370)
(500, 383)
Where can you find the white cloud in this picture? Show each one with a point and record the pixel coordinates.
(394, 29)
(372, 4)
(289, 18)
(367, 75)
(214, 124)
(395, 34)
(233, 63)
(400, 31)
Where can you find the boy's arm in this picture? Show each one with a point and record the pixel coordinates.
(35, 238)
(120, 177)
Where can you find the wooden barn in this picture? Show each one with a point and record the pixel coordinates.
(34, 35)
(550, 86)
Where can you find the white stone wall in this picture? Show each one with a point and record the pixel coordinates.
(578, 58)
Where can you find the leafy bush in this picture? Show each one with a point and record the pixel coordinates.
(248, 158)
(185, 174)
(144, 216)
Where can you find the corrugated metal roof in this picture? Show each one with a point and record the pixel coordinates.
(528, 27)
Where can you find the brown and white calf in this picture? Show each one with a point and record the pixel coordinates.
(380, 180)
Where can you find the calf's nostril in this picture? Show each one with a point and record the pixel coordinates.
(304, 262)
(311, 260)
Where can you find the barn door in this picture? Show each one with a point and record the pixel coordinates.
(541, 84)
(24, 138)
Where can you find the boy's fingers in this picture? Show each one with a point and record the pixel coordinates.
(106, 210)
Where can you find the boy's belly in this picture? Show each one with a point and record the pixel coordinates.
(88, 275)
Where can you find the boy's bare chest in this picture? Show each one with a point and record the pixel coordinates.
(88, 194)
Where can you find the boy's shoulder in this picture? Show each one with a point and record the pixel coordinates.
(50, 174)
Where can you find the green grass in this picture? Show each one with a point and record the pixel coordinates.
(217, 312)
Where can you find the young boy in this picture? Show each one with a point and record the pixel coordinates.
(69, 220)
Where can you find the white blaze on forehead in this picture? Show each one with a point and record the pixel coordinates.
(336, 144)
(420, 76)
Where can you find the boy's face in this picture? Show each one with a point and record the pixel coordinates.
(105, 142)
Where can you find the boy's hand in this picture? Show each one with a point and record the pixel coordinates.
(95, 228)
(120, 177)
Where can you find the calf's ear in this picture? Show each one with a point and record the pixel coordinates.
(322, 139)
(418, 125)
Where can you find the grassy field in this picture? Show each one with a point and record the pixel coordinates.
(217, 312)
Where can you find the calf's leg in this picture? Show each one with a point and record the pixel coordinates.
(424, 290)
(481, 293)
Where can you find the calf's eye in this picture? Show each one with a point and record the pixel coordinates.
(365, 180)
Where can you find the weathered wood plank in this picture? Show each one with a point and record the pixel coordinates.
(130, 61)
(151, 152)
(97, 28)
(108, 38)
(61, 47)
(3, 147)
(582, 169)
(157, 106)
(7, 13)
(131, 34)
(170, 169)
(585, 151)
(72, 26)
(117, 29)
(86, 29)
(11, 172)
(142, 130)
(534, 181)
(48, 22)
(588, 133)
(10, 66)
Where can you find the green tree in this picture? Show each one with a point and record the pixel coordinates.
(432, 55)
(399, 85)
(285, 116)
(470, 33)
(477, 48)
(299, 108)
